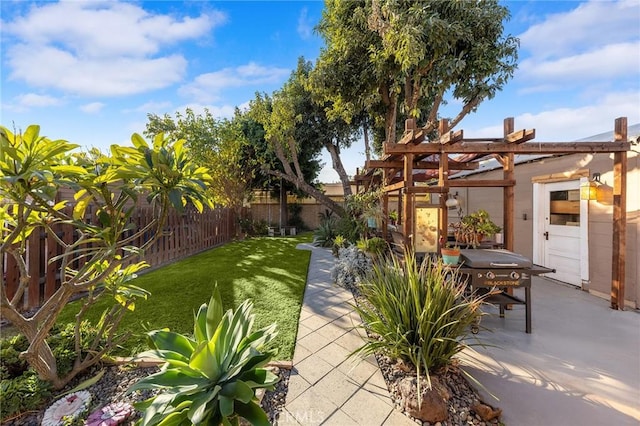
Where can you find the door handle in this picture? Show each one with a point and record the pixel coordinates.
(546, 235)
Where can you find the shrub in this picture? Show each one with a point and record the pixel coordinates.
(63, 345)
(419, 314)
(21, 388)
(338, 242)
(295, 218)
(253, 227)
(11, 365)
(351, 228)
(375, 246)
(351, 266)
(325, 234)
(22, 393)
(211, 379)
(38, 179)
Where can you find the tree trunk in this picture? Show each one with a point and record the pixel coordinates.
(339, 167)
(283, 206)
(312, 192)
(367, 145)
(299, 182)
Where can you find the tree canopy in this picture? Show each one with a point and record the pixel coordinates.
(400, 59)
(221, 144)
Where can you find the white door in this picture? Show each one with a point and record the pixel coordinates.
(561, 237)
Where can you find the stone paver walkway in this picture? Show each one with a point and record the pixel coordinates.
(325, 387)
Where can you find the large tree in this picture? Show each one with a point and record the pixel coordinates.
(396, 59)
(220, 144)
(296, 129)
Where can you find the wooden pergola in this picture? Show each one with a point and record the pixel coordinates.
(451, 152)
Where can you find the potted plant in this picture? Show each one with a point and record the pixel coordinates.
(473, 228)
(450, 254)
(393, 217)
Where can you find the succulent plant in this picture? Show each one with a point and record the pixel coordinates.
(212, 379)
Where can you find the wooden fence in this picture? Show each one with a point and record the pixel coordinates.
(183, 235)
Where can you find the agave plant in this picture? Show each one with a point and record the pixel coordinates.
(213, 379)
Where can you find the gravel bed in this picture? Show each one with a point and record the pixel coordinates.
(463, 399)
(117, 379)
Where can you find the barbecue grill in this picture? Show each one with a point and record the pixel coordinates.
(501, 269)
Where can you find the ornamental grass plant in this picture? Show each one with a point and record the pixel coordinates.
(417, 313)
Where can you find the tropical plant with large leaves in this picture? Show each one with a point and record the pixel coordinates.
(212, 378)
(102, 247)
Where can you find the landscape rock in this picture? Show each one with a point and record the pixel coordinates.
(486, 412)
(433, 406)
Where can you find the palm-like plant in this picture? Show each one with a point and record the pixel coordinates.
(211, 379)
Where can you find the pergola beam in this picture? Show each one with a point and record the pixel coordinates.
(505, 148)
(451, 137)
(520, 136)
(498, 183)
(420, 165)
(393, 187)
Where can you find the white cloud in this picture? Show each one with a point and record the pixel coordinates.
(590, 25)
(35, 100)
(568, 124)
(207, 87)
(92, 107)
(27, 101)
(97, 77)
(596, 44)
(222, 111)
(305, 25)
(609, 61)
(100, 47)
(152, 107)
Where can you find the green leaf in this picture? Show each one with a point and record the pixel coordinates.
(238, 390)
(169, 378)
(138, 141)
(69, 170)
(168, 340)
(204, 360)
(198, 412)
(259, 377)
(174, 419)
(32, 133)
(200, 324)
(214, 313)
(226, 406)
(253, 413)
(89, 382)
(175, 197)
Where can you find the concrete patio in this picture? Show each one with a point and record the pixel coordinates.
(581, 364)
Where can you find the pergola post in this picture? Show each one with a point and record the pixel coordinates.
(619, 217)
(443, 182)
(508, 192)
(385, 207)
(407, 201)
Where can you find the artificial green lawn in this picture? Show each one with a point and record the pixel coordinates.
(270, 271)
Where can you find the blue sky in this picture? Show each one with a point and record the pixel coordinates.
(90, 71)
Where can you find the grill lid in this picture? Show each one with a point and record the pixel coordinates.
(493, 258)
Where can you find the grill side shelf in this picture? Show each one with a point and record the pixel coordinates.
(539, 270)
